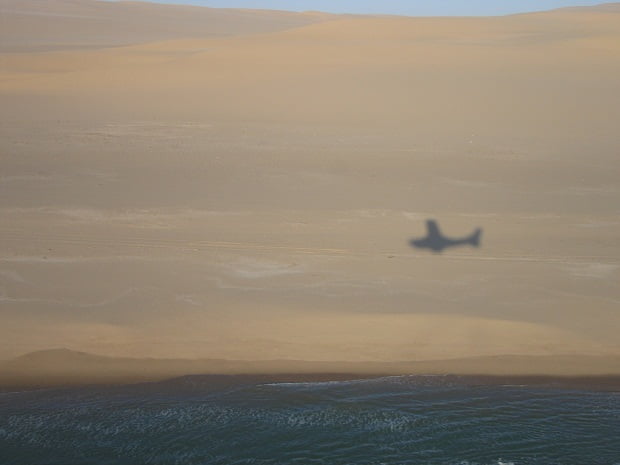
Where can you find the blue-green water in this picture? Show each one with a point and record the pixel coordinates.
(396, 420)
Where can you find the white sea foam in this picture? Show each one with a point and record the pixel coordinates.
(395, 379)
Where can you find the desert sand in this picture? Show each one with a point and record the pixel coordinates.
(243, 185)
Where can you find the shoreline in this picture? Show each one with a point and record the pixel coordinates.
(216, 382)
(61, 367)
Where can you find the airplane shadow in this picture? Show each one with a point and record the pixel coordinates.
(436, 242)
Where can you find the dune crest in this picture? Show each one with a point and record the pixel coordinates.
(39, 26)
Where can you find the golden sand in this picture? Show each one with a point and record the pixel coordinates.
(251, 195)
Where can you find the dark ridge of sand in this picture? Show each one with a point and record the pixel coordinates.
(613, 7)
(38, 26)
(66, 367)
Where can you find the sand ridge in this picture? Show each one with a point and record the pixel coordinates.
(61, 367)
(35, 26)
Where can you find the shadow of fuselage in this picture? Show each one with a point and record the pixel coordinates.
(436, 242)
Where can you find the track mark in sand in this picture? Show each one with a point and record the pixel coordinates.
(17, 235)
(198, 245)
(523, 258)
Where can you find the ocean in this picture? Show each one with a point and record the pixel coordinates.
(428, 420)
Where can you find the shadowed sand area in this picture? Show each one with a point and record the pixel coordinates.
(63, 367)
(243, 185)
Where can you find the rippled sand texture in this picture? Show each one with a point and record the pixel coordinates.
(250, 194)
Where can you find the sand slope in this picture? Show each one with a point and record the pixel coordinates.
(37, 25)
(252, 197)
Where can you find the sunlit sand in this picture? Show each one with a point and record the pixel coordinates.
(249, 193)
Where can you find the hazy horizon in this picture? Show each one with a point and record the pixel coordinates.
(394, 7)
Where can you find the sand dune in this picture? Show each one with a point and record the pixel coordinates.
(244, 185)
(35, 25)
(521, 76)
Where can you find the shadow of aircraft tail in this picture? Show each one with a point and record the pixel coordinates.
(476, 237)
